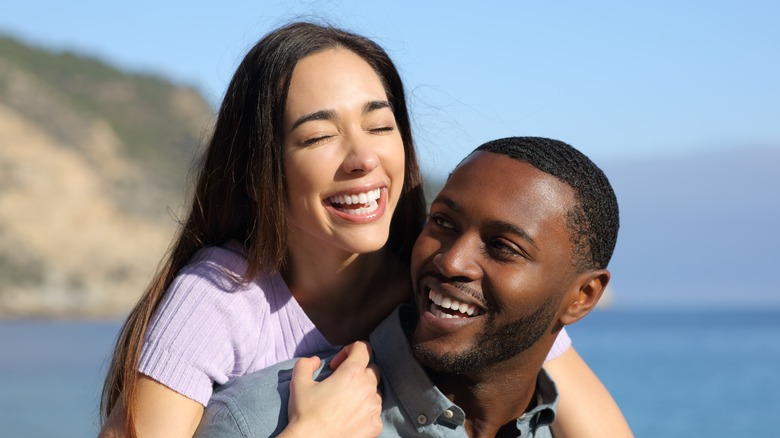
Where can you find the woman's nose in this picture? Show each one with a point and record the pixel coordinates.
(361, 156)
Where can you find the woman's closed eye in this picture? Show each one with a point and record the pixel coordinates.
(318, 139)
(382, 129)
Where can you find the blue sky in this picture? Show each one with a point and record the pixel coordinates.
(618, 81)
(641, 89)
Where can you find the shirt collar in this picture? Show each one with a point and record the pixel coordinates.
(546, 403)
(417, 395)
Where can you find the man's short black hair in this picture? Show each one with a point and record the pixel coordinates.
(594, 221)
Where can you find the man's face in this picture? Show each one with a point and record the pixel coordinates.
(491, 265)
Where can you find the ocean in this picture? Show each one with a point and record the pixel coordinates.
(674, 373)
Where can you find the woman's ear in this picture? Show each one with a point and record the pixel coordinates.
(591, 286)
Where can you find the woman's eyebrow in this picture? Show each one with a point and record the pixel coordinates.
(317, 115)
(330, 114)
(376, 105)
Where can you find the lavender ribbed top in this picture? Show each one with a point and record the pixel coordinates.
(208, 328)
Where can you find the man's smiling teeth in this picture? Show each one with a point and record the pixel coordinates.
(365, 202)
(447, 303)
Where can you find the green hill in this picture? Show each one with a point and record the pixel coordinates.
(158, 123)
(93, 160)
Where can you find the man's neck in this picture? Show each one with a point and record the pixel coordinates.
(493, 398)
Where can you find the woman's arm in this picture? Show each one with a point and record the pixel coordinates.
(159, 412)
(585, 409)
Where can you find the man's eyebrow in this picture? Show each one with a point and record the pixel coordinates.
(449, 203)
(373, 105)
(513, 229)
(493, 225)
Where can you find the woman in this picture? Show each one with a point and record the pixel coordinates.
(297, 240)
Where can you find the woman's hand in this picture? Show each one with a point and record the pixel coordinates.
(346, 403)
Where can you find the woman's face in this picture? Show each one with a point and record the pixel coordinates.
(344, 157)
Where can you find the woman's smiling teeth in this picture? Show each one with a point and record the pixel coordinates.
(443, 307)
(360, 203)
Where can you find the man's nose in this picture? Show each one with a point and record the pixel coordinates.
(458, 260)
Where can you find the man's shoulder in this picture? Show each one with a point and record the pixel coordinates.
(253, 404)
(249, 405)
(254, 387)
(246, 388)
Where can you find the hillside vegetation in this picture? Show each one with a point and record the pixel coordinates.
(93, 162)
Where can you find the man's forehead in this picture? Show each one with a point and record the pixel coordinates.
(481, 169)
(498, 181)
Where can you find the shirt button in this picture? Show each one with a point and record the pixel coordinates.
(422, 419)
(448, 414)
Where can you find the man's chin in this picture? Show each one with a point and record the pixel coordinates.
(452, 362)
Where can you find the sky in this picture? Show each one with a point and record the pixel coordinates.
(619, 81)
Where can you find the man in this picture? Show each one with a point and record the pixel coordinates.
(515, 248)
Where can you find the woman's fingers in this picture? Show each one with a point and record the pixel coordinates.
(346, 403)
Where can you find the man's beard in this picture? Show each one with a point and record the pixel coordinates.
(493, 345)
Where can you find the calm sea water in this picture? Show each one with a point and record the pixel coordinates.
(686, 374)
(674, 374)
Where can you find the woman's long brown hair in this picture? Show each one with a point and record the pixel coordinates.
(240, 190)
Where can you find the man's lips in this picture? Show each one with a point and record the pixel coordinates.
(447, 307)
(449, 300)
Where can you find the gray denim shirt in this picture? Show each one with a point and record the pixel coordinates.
(255, 405)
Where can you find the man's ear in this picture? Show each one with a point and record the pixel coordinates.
(591, 286)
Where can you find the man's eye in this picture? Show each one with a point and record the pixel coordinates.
(504, 249)
(442, 222)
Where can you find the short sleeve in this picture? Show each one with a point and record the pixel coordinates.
(561, 344)
(203, 332)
